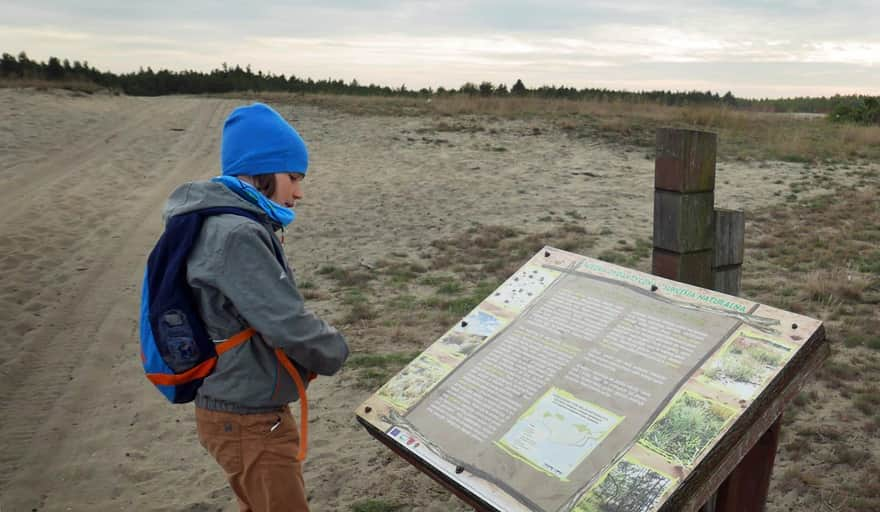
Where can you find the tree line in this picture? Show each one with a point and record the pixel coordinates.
(146, 82)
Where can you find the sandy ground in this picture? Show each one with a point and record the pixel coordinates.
(83, 182)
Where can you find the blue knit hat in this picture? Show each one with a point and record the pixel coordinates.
(257, 140)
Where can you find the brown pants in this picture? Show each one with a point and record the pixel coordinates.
(260, 462)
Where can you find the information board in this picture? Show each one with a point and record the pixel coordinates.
(579, 385)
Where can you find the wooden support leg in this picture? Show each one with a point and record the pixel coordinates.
(745, 490)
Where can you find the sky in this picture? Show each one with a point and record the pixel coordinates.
(752, 48)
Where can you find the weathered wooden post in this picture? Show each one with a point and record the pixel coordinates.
(697, 244)
(684, 199)
(747, 486)
(730, 227)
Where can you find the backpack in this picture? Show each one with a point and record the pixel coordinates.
(176, 351)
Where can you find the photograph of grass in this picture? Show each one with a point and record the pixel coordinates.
(627, 487)
(745, 365)
(408, 386)
(686, 427)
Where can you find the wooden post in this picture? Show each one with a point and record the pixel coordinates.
(730, 228)
(747, 486)
(684, 200)
(696, 244)
(684, 215)
(684, 196)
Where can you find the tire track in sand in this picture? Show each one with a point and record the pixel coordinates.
(84, 309)
(47, 170)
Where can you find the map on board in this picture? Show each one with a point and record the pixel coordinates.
(579, 385)
(558, 432)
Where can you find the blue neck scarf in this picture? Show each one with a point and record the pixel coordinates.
(280, 214)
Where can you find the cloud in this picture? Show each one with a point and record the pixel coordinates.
(429, 43)
(47, 32)
(848, 52)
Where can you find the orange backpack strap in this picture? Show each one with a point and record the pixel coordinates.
(204, 368)
(303, 404)
(199, 371)
(235, 341)
(245, 335)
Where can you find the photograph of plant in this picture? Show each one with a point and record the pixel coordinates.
(688, 425)
(408, 386)
(745, 365)
(628, 487)
(460, 344)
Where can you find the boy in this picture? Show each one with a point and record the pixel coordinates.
(238, 281)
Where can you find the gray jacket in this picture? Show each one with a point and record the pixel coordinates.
(239, 283)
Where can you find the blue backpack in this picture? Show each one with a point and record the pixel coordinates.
(176, 350)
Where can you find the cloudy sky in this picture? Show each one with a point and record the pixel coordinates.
(750, 47)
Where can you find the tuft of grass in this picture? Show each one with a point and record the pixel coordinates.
(613, 257)
(836, 284)
(450, 288)
(626, 255)
(803, 398)
(868, 402)
(850, 456)
(313, 294)
(401, 271)
(394, 359)
(839, 370)
(435, 280)
(345, 276)
(375, 369)
(360, 308)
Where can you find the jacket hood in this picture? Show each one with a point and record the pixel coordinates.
(199, 195)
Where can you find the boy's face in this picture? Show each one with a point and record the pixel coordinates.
(288, 188)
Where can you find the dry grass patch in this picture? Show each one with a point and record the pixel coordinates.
(45, 85)
(818, 257)
(497, 251)
(346, 277)
(836, 286)
(372, 370)
(742, 134)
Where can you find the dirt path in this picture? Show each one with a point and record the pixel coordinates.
(78, 215)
